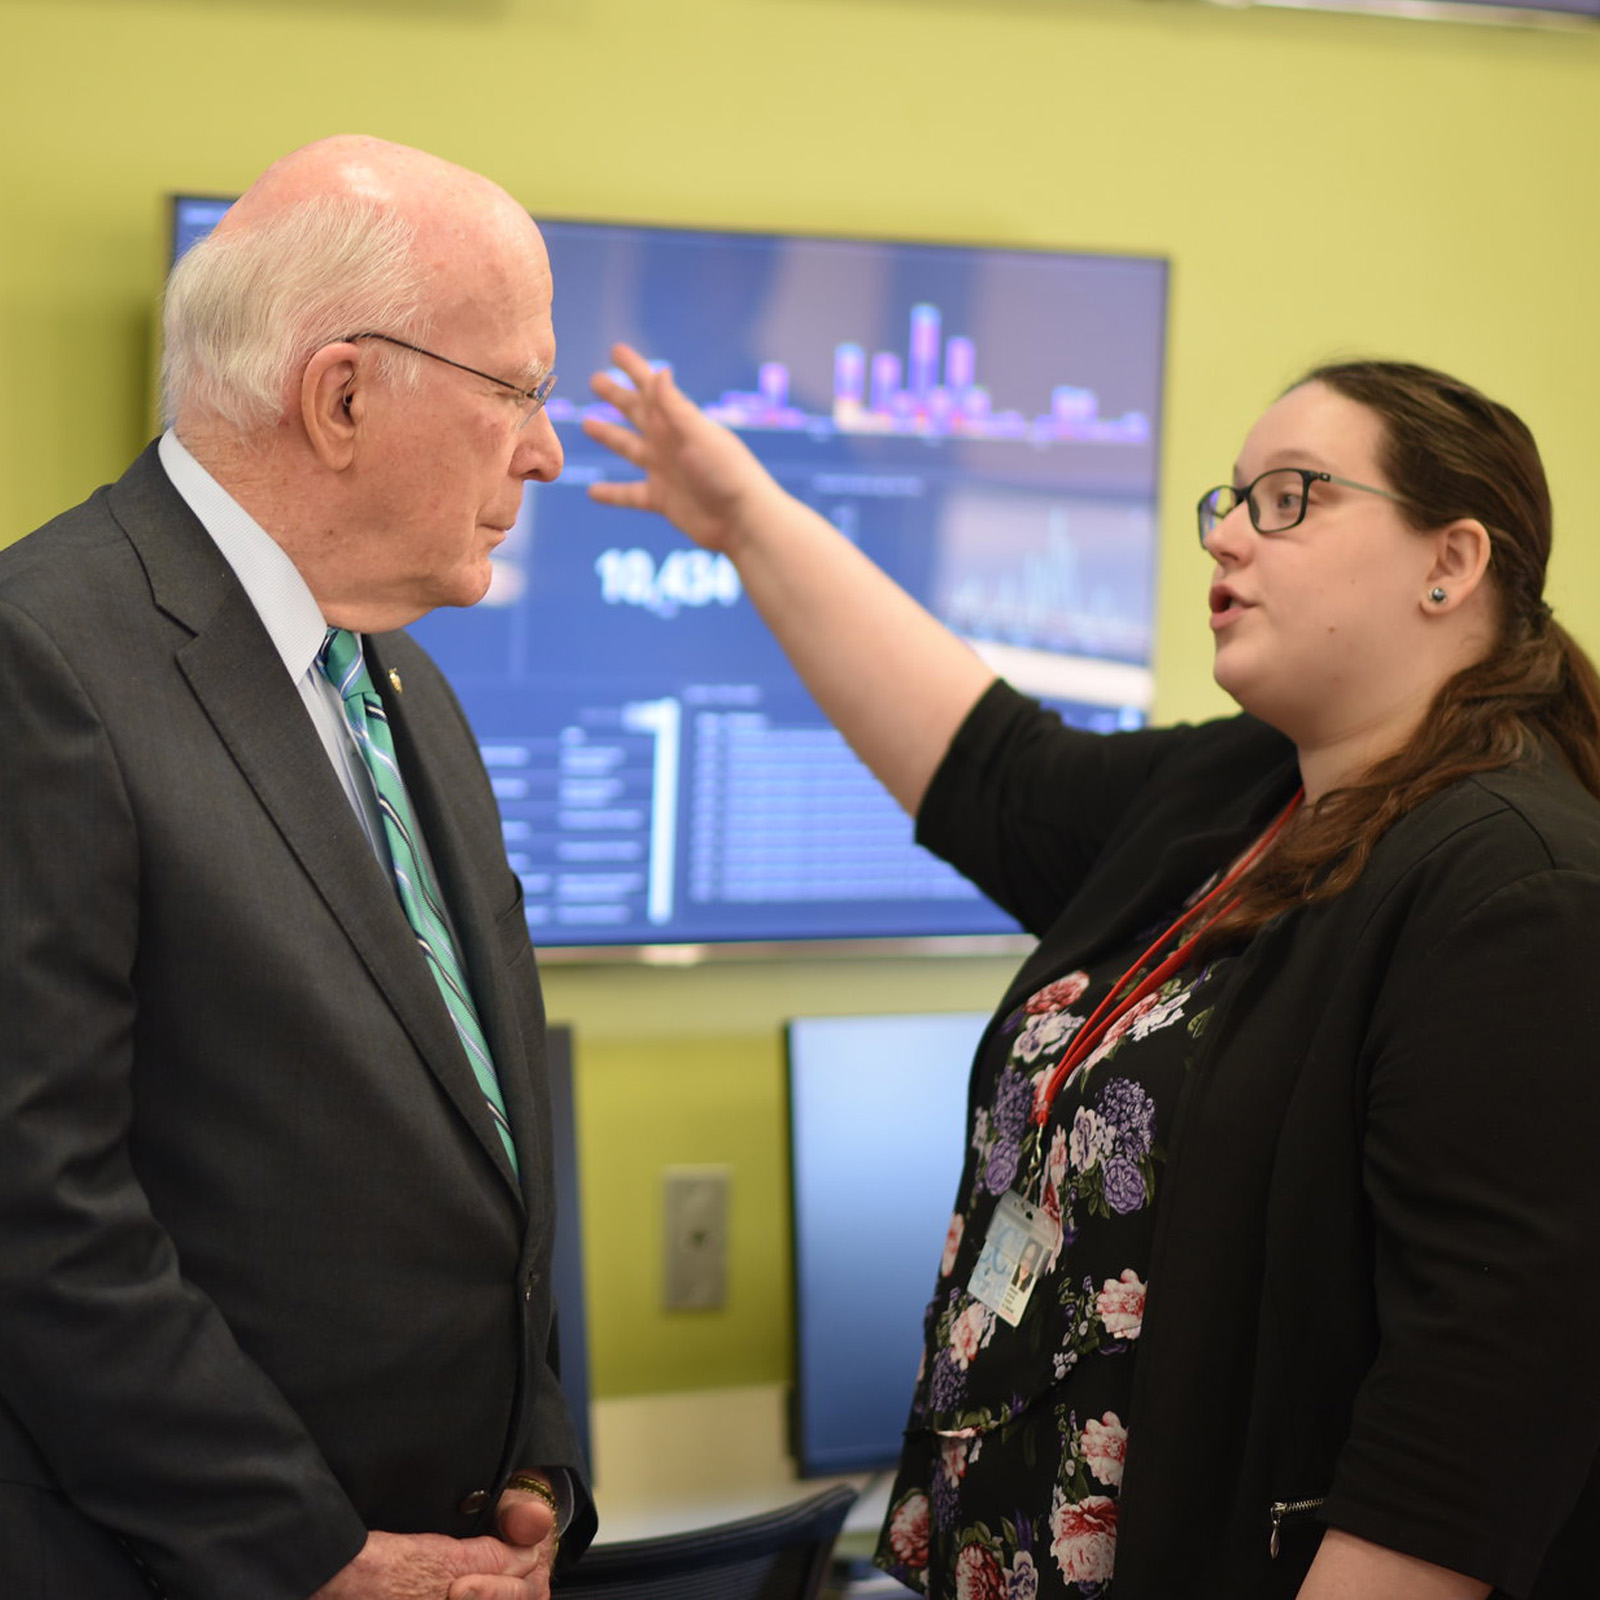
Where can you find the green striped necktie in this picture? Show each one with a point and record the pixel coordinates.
(342, 664)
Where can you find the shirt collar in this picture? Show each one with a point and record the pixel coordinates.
(287, 608)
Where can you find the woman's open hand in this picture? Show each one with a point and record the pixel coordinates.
(697, 474)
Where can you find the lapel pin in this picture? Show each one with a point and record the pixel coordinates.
(394, 678)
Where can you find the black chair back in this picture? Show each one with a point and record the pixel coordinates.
(779, 1555)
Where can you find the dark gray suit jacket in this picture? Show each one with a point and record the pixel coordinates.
(266, 1278)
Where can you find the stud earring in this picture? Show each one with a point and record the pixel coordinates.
(1438, 596)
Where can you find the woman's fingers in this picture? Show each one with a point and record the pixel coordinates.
(616, 438)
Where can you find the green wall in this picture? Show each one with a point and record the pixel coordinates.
(1322, 185)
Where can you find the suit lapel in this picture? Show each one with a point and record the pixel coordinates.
(239, 680)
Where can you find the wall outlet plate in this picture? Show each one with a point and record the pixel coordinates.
(695, 1237)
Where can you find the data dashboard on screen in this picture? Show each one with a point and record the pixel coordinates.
(982, 422)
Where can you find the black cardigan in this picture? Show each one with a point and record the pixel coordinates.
(1376, 1272)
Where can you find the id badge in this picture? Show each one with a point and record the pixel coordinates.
(1020, 1241)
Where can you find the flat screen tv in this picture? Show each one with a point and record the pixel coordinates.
(984, 422)
(877, 1121)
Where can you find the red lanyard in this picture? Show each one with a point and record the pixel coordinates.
(1111, 1009)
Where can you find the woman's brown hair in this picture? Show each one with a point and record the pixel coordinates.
(1449, 452)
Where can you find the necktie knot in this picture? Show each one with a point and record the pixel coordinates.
(344, 666)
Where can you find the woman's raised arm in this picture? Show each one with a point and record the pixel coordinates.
(892, 678)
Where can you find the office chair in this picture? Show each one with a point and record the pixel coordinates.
(779, 1555)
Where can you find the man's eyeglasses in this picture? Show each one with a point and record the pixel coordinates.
(1277, 500)
(532, 400)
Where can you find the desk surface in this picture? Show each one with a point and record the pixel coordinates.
(669, 1463)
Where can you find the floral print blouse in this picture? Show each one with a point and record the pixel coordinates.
(1015, 1445)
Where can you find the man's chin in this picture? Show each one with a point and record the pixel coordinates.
(468, 587)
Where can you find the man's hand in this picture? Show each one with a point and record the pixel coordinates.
(430, 1566)
(527, 1523)
(526, 1517)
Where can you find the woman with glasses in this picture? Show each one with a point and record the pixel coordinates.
(1297, 1102)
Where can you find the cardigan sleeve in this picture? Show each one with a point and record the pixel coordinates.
(1479, 1422)
(1025, 806)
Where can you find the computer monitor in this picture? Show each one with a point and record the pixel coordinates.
(877, 1131)
(983, 422)
(566, 1266)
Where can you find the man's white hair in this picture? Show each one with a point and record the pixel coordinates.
(246, 309)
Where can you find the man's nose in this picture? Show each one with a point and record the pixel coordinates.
(538, 454)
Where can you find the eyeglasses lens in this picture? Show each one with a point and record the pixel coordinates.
(1278, 500)
(536, 400)
(1214, 507)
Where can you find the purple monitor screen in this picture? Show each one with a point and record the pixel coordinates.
(983, 422)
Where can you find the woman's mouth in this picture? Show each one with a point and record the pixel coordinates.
(1226, 606)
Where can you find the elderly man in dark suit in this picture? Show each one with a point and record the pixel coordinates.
(275, 1200)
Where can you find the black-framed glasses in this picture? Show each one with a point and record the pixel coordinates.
(532, 400)
(1277, 500)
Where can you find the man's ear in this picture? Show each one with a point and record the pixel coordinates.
(331, 404)
(1461, 557)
